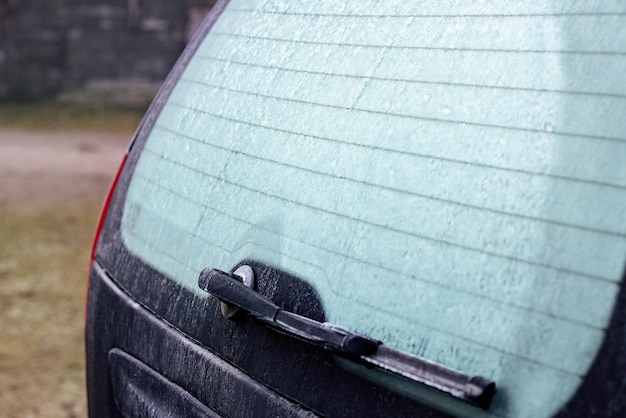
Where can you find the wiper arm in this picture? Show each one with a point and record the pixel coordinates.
(231, 290)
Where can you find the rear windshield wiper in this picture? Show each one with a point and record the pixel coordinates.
(235, 291)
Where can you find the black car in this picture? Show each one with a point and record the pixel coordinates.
(372, 209)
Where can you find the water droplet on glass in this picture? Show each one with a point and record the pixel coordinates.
(445, 109)
(426, 97)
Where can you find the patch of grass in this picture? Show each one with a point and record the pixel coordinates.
(53, 116)
(44, 258)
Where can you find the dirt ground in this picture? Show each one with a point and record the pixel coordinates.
(51, 189)
(39, 169)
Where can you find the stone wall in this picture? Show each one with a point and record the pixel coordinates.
(50, 46)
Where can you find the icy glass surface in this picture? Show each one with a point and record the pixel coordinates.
(450, 178)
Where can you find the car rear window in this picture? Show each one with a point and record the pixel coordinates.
(450, 179)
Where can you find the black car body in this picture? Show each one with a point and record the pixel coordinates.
(445, 179)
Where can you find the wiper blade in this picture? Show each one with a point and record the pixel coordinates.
(236, 292)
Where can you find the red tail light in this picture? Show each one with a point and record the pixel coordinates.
(105, 207)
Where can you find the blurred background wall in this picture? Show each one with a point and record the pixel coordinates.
(98, 52)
